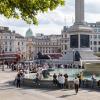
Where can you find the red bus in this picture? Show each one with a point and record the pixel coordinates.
(8, 58)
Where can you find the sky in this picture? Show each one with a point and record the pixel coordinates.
(53, 21)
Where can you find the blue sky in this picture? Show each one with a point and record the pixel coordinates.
(53, 22)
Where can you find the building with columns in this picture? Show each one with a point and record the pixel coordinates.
(64, 40)
(95, 38)
(46, 44)
(11, 43)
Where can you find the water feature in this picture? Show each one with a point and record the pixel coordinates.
(71, 73)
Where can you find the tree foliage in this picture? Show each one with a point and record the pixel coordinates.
(27, 9)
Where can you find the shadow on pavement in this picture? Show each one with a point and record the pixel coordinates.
(10, 85)
(64, 96)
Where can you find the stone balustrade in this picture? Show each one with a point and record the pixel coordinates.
(49, 84)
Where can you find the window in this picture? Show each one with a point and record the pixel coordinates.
(95, 36)
(99, 49)
(95, 49)
(10, 43)
(65, 35)
(65, 41)
(91, 36)
(98, 30)
(99, 36)
(91, 42)
(18, 43)
(10, 49)
(6, 49)
(95, 43)
(5, 43)
(95, 30)
(65, 47)
(99, 42)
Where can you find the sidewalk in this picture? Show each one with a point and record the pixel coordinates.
(6, 75)
(8, 92)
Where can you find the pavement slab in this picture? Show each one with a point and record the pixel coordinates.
(9, 92)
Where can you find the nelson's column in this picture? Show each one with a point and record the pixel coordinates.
(79, 37)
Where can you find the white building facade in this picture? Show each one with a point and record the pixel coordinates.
(11, 42)
(95, 38)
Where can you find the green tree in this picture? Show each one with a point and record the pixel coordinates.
(27, 9)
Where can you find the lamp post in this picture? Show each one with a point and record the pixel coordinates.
(2, 54)
(73, 57)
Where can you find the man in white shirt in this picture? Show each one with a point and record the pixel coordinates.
(61, 80)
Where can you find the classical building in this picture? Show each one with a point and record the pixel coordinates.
(95, 38)
(20, 45)
(7, 39)
(46, 44)
(11, 44)
(64, 40)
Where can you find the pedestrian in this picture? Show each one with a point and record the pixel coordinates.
(76, 84)
(66, 80)
(93, 81)
(18, 80)
(37, 79)
(61, 81)
(55, 79)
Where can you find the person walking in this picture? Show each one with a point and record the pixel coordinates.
(18, 80)
(66, 80)
(76, 84)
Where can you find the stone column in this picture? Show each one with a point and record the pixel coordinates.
(79, 12)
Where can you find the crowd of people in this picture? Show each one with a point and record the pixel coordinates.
(59, 80)
(62, 81)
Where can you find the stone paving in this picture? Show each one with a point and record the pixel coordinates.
(9, 92)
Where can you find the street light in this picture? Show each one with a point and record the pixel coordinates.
(2, 60)
(2, 52)
(73, 57)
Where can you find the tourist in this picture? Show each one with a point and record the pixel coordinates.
(22, 75)
(66, 80)
(80, 79)
(76, 84)
(61, 80)
(18, 80)
(37, 79)
(55, 79)
(93, 80)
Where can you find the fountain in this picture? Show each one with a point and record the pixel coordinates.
(78, 53)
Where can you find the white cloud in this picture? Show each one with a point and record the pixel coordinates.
(52, 22)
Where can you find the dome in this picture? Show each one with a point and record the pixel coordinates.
(29, 33)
